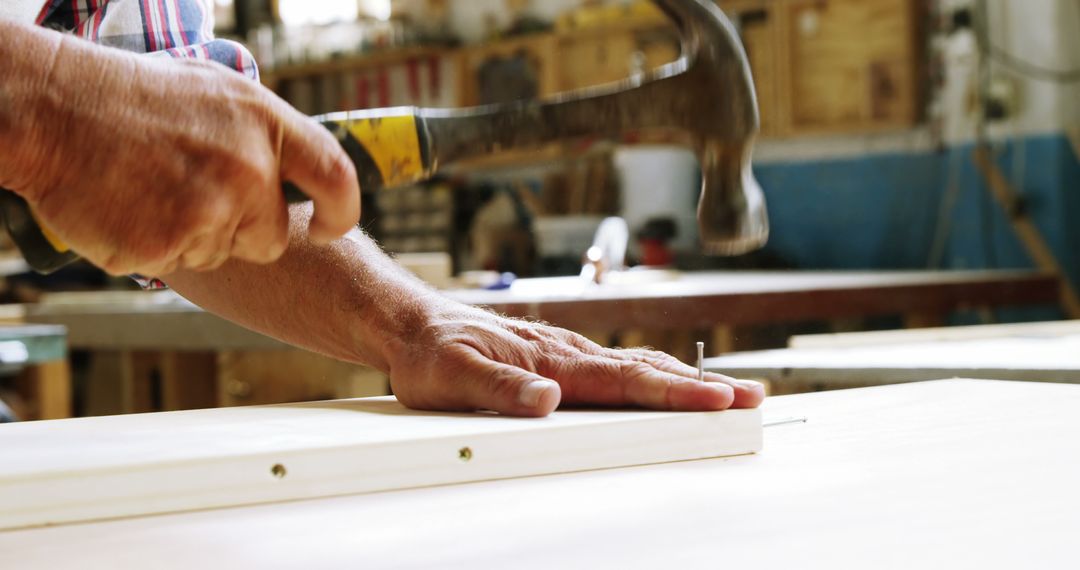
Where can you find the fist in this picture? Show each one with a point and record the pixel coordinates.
(150, 166)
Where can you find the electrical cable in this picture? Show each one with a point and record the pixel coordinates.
(1031, 70)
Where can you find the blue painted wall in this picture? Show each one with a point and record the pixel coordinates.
(881, 211)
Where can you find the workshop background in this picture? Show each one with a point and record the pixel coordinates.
(921, 135)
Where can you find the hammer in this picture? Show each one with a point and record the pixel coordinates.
(705, 100)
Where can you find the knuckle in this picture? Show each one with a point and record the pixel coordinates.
(501, 383)
(632, 369)
(337, 169)
(206, 212)
(274, 249)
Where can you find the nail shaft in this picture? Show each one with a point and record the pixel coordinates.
(785, 421)
(701, 362)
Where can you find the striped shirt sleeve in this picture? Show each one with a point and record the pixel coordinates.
(177, 28)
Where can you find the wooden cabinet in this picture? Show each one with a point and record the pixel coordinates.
(819, 65)
(833, 65)
(587, 60)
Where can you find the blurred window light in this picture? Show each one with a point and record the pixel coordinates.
(224, 16)
(316, 12)
(378, 9)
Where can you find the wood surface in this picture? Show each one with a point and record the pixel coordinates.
(37, 355)
(1028, 358)
(707, 299)
(98, 468)
(252, 378)
(958, 474)
(1048, 329)
(51, 383)
(853, 63)
(695, 300)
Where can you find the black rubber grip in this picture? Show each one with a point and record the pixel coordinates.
(293, 194)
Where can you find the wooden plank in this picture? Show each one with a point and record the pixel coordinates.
(250, 378)
(95, 468)
(1026, 230)
(958, 474)
(853, 339)
(1020, 358)
(745, 298)
(758, 29)
(693, 300)
(188, 380)
(52, 389)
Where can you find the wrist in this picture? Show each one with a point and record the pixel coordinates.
(437, 320)
(397, 324)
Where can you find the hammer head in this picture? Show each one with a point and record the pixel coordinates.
(709, 94)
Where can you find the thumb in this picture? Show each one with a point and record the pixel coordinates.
(313, 159)
(509, 390)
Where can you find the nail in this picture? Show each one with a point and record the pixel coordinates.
(533, 392)
(750, 384)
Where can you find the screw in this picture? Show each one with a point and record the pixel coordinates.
(278, 471)
(464, 454)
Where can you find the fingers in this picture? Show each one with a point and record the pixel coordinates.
(206, 252)
(747, 393)
(475, 382)
(313, 160)
(513, 391)
(616, 382)
(263, 235)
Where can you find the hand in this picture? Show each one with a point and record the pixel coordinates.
(151, 165)
(474, 360)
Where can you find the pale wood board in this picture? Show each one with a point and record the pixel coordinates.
(1048, 329)
(1035, 358)
(957, 474)
(97, 468)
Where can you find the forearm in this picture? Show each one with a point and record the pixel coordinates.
(347, 300)
(25, 56)
(44, 75)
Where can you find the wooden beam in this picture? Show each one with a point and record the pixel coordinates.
(1025, 228)
(51, 383)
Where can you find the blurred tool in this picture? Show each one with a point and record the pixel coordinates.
(608, 250)
(705, 99)
(654, 242)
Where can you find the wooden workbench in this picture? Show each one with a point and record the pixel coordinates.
(956, 474)
(706, 299)
(163, 321)
(38, 354)
(1039, 352)
(203, 360)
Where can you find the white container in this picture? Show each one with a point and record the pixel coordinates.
(565, 236)
(657, 182)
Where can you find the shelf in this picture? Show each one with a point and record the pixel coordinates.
(397, 56)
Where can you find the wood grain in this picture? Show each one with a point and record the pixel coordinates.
(97, 468)
(1026, 358)
(958, 474)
